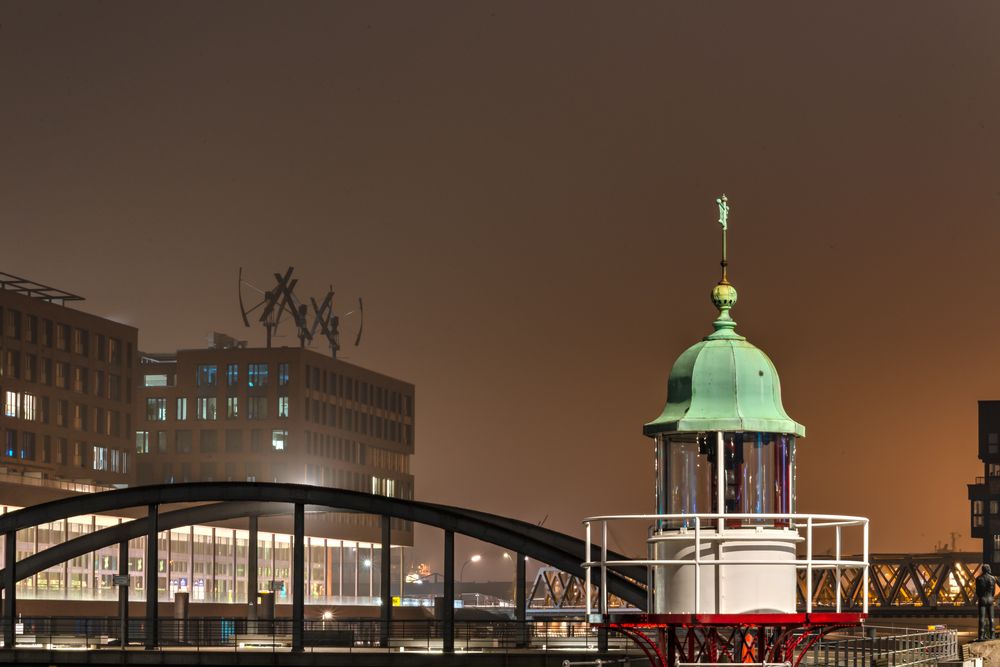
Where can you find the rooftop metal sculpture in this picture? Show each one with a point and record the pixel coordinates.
(280, 300)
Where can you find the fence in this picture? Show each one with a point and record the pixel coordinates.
(276, 635)
(884, 647)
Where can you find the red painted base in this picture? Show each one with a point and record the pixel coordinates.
(669, 639)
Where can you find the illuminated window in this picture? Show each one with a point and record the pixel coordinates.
(282, 406)
(100, 460)
(142, 442)
(155, 380)
(232, 374)
(256, 375)
(156, 409)
(279, 440)
(282, 375)
(977, 513)
(10, 403)
(29, 403)
(182, 409)
(206, 408)
(232, 407)
(206, 376)
(994, 507)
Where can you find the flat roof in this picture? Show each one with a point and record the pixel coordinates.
(35, 290)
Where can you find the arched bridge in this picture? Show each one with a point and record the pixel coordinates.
(229, 500)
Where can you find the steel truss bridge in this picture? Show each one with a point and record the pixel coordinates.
(936, 584)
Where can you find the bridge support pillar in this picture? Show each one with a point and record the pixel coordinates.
(252, 586)
(9, 584)
(521, 600)
(448, 613)
(123, 593)
(152, 566)
(385, 581)
(298, 577)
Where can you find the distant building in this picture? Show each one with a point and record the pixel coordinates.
(231, 413)
(985, 493)
(66, 379)
(82, 414)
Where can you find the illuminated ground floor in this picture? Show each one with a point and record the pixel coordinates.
(208, 562)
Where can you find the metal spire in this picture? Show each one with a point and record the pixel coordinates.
(723, 203)
(724, 294)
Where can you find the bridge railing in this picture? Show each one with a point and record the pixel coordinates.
(705, 527)
(54, 633)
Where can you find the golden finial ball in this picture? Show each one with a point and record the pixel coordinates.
(724, 295)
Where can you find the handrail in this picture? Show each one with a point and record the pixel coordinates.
(705, 521)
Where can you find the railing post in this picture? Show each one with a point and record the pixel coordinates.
(152, 566)
(697, 565)
(837, 578)
(123, 593)
(298, 577)
(448, 613)
(604, 567)
(521, 600)
(587, 558)
(809, 564)
(9, 586)
(385, 578)
(252, 588)
(864, 580)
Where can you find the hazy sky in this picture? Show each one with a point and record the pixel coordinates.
(523, 192)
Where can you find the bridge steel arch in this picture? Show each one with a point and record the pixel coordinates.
(236, 499)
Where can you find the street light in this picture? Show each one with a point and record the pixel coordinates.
(475, 559)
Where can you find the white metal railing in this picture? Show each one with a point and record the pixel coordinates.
(795, 521)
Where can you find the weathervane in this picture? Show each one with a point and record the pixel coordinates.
(723, 203)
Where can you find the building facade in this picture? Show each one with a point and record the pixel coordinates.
(230, 413)
(66, 379)
(984, 495)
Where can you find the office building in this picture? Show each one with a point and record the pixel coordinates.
(67, 382)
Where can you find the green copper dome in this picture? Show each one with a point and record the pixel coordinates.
(723, 383)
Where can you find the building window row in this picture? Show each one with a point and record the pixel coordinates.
(29, 407)
(258, 374)
(62, 375)
(63, 337)
(208, 441)
(321, 444)
(356, 421)
(206, 408)
(23, 446)
(352, 389)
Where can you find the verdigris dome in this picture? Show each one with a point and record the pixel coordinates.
(723, 383)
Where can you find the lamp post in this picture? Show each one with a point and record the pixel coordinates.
(475, 558)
